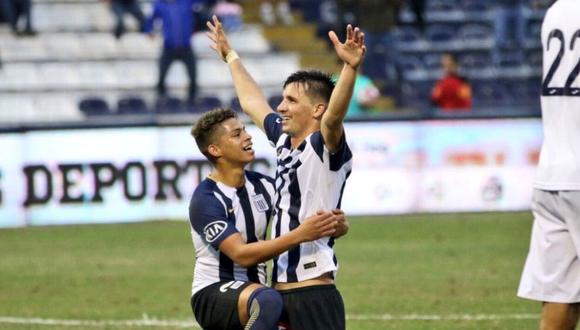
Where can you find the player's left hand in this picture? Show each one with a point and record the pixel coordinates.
(342, 225)
(353, 49)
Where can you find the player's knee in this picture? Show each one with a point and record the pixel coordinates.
(265, 308)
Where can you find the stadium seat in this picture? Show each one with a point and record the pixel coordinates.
(132, 105)
(441, 5)
(476, 6)
(440, 33)
(235, 104)
(169, 104)
(275, 100)
(475, 61)
(475, 32)
(94, 106)
(206, 103)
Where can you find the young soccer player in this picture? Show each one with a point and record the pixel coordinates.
(552, 271)
(229, 212)
(314, 161)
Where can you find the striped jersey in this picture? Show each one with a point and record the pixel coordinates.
(308, 178)
(217, 211)
(559, 165)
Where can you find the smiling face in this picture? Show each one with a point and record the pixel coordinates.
(299, 110)
(233, 144)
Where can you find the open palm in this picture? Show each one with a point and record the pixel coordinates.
(353, 49)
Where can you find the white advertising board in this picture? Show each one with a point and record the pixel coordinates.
(136, 174)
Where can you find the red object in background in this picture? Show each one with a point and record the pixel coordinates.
(452, 93)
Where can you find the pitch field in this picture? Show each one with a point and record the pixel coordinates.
(452, 271)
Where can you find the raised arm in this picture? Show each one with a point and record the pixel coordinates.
(247, 255)
(252, 99)
(351, 52)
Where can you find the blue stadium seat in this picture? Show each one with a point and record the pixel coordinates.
(475, 31)
(94, 106)
(511, 59)
(407, 34)
(275, 100)
(441, 5)
(488, 93)
(432, 61)
(132, 105)
(411, 62)
(206, 103)
(477, 6)
(170, 105)
(235, 104)
(440, 33)
(475, 61)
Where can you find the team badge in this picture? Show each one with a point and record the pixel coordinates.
(213, 230)
(260, 203)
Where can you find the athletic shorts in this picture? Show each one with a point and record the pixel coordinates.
(552, 269)
(216, 306)
(311, 308)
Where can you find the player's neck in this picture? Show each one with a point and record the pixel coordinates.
(233, 177)
(296, 140)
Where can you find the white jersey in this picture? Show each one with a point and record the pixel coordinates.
(308, 179)
(217, 211)
(559, 166)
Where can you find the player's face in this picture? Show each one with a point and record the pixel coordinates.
(296, 109)
(235, 143)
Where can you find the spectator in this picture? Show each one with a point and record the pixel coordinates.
(282, 7)
(510, 26)
(119, 8)
(230, 14)
(177, 20)
(452, 92)
(364, 96)
(13, 10)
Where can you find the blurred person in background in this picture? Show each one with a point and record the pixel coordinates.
(12, 11)
(452, 92)
(509, 27)
(177, 22)
(229, 213)
(551, 273)
(119, 9)
(269, 9)
(230, 13)
(365, 96)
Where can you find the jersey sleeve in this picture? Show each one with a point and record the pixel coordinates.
(210, 219)
(336, 159)
(273, 127)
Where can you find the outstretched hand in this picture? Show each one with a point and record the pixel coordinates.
(217, 35)
(353, 49)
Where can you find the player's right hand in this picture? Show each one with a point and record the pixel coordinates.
(316, 226)
(217, 35)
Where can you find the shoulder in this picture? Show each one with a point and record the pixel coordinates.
(204, 195)
(255, 177)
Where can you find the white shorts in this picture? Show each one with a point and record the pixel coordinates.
(552, 270)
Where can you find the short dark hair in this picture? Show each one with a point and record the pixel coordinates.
(317, 83)
(204, 130)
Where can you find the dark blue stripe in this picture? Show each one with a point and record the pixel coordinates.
(294, 210)
(317, 143)
(340, 157)
(242, 193)
(226, 266)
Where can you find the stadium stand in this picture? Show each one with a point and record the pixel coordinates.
(75, 58)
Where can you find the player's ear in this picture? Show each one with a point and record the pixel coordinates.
(214, 150)
(319, 110)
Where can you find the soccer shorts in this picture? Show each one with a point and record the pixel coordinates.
(318, 307)
(216, 306)
(552, 269)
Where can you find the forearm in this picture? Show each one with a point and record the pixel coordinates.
(252, 99)
(256, 252)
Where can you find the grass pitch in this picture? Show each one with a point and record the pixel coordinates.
(452, 271)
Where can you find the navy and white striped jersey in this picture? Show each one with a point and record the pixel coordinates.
(217, 211)
(308, 179)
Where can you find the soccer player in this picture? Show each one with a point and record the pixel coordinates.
(229, 212)
(552, 270)
(314, 161)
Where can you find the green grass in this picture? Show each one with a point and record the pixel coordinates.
(397, 265)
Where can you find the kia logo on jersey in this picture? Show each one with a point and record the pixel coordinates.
(213, 230)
